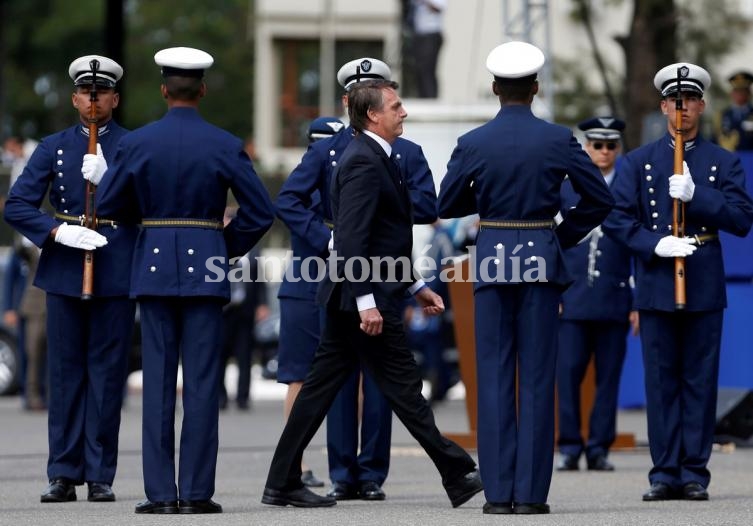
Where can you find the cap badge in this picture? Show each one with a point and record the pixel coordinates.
(606, 122)
(365, 66)
(684, 71)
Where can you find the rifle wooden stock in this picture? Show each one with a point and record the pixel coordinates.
(90, 214)
(678, 207)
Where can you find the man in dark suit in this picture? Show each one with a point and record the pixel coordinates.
(372, 215)
(509, 171)
(174, 176)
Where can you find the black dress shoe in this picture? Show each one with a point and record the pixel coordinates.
(59, 490)
(301, 498)
(599, 463)
(694, 491)
(659, 491)
(497, 508)
(310, 481)
(370, 490)
(461, 490)
(568, 463)
(342, 491)
(531, 508)
(100, 492)
(199, 506)
(147, 506)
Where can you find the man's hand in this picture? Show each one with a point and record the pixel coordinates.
(681, 186)
(79, 237)
(675, 247)
(371, 321)
(94, 166)
(635, 322)
(430, 301)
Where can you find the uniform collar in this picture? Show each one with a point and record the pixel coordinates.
(101, 130)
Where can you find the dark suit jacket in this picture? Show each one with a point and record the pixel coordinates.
(373, 219)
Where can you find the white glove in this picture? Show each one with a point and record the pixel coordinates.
(79, 237)
(94, 166)
(682, 186)
(675, 247)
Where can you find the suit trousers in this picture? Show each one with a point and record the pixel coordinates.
(185, 329)
(87, 360)
(391, 364)
(681, 364)
(516, 330)
(579, 340)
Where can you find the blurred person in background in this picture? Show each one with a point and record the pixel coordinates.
(733, 126)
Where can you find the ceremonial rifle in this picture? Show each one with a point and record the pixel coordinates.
(678, 207)
(90, 213)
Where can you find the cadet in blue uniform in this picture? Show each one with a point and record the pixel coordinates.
(595, 315)
(303, 204)
(509, 171)
(174, 174)
(680, 347)
(88, 341)
(733, 126)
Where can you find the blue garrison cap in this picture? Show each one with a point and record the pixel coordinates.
(323, 127)
(602, 128)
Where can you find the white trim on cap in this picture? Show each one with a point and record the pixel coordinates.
(183, 58)
(515, 60)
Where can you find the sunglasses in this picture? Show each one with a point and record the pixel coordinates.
(599, 145)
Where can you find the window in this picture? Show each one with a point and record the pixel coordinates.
(300, 79)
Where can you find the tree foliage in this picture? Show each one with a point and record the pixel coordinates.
(37, 51)
(660, 32)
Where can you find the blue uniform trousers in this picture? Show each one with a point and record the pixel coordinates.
(579, 340)
(186, 329)
(516, 324)
(88, 344)
(346, 463)
(681, 362)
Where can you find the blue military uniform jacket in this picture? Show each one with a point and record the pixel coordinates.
(181, 167)
(643, 215)
(518, 178)
(56, 165)
(304, 201)
(601, 268)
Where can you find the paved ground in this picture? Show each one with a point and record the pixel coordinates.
(414, 492)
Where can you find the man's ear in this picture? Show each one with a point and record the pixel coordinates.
(495, 89)
(535, 87)
(163, 90)
(203, 89)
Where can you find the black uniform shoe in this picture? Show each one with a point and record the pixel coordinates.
(568, 463)
(301, 498)
(599, 463)
(147, 506)
(461, 490)
(310, 481)
(497, 508)
(199, 506)
(530, 508)
(100, 492)
(694, 491)
(59, 490)
(659, 491)
(370, 490)
(342, 491)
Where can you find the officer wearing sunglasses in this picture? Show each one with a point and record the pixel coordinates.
(594, 320)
